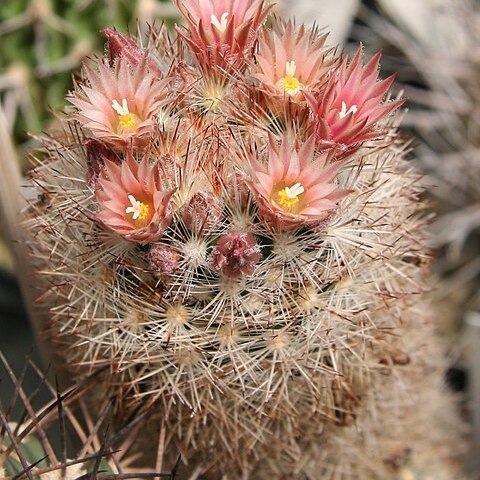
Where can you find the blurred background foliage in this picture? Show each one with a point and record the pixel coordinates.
(433, 45)
(44, 41)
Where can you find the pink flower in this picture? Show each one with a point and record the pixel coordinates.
(134, 205)
(294, 188)
(221, 32)
(290, 62)
(118, 105)
(236, 254)
(348, 111)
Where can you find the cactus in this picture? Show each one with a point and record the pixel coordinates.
(233, 240)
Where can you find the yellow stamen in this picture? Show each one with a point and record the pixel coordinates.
(291, 85)
(288, 197)
(126, 121)
(144, 211)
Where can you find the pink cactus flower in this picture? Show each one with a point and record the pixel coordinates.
(134, 205)
(119, 104)
(295, 188)
(222, 32)
(236, 254)
(290, 62)
(348, 111)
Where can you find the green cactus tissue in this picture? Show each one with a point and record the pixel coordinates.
(231, 237)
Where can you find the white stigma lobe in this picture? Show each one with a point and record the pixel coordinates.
(290, 68)
(220, 25)
(121, 109)
(135, 208)
(344, 112)
(294, 191)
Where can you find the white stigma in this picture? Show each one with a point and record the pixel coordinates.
(290, 68)
(344, 112)
(220, 25)
(294, 191)
(136, 207)
(121, 109)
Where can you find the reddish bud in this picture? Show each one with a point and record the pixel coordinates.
(163, 260)
(97, 153)
(236, 254)
(120, 45)
(202, 213)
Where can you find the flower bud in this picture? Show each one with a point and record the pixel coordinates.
(202, 213)
(121, 45)
(236, 254)
(97, 153)
(163, 260)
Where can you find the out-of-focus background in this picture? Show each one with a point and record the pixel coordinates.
(434, 45)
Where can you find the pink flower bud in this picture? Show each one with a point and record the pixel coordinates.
(202, 213)
(120, 45)
(163, 260)
(236, 254)
(97, 153)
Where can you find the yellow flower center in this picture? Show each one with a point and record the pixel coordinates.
(140, 211)
(144, 211)
(126, 119)
(285, 201)
(290, 83)
(288, 196)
